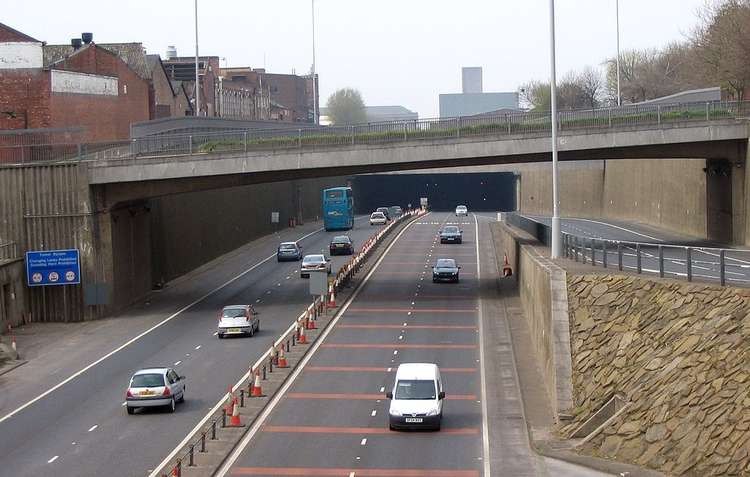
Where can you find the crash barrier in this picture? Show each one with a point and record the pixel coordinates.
(273, 360)
(681, 261)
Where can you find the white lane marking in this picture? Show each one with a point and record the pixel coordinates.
(216, 333)
(177, 363)
(374, 412)
(271, 405)
(73, 443)
(382, 389)
(137, 337)
(288, 278)
(389, 370)
(605, 224)
(278, 284)
(363, 442)
(408, 313)
(198, 347)
(351, 474)
(482, 374)
(93, 427)
(405, 323)
(125, 403)
(53, 459)
(187, 355)
(257, 301)
(395, 352)
(401, 337)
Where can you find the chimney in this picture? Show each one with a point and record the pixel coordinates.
(87, 37)
(75, 43)
(171, 52)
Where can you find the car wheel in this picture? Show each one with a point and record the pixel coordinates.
(182, 397)
(171, 405)
(434, 280)
(252, 331)
(460, 241)
(221, 337)
(131, 410)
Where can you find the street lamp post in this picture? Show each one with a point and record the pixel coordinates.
(617, 7)
(556, 237)
(197, 84)
(314, 85)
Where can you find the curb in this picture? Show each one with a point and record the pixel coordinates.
(13, 365)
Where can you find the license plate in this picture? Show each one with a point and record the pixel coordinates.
(413, 419)
(146, 393)
(234, 330)
(340, 245)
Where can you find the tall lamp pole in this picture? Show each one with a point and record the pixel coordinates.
(197, 84)
(619, 96)
(314, 85)
(556, 236)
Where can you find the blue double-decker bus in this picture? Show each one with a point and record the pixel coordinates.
(338, 208)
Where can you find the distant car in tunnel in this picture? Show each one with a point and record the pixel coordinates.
(238, 320)
(395, 212)
(445, 269)
(451, 234)
(289, 251)
(462, 211)
(341, 245)
(378, 218)
(314, 263)
(385, 212)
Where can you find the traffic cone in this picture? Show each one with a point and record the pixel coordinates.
(331, 298)
(282, 358)
(302, 339)
(13, 345)
(311, 321)
(256, 391)
(230, 400)
(235, 419)
(507, 271)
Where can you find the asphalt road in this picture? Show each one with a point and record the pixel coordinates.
(333, 419)
(704, 258)
(82, 429)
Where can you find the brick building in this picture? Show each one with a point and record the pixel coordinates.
(168, 98)
(242, 94)
(60, 86)
(182, 68)
(293, 93)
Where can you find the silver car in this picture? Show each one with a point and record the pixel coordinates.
(314, 263)
(238, 320)
(153, 387)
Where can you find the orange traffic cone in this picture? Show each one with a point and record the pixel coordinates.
(235, 419)
(302, 339)
(256, 390)
(331, 298)
(282, 358)
(230, 399)
(310, 321)
(507, 271)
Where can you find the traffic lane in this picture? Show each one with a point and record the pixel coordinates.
(603, 228)
(195, 326)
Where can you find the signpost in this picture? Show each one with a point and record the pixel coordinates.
(53, 267)
(318, 283)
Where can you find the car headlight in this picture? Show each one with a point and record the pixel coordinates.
(432, 412)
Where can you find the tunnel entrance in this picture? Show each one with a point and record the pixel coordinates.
(479, 191)
(719, 200)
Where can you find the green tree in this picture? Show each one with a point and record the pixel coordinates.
(346, 106)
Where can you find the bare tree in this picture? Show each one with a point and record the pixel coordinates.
(592, 86)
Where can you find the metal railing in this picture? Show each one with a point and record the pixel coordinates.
(8, 251)
(514, 124)
(688, 262)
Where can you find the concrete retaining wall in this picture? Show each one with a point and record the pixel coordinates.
(544, 300)
(12, 293)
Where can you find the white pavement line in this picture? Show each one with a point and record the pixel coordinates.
(395, 352)
(605, 224)
(351, 474)
(198, 347)
(382, 389)
(363, 442)
(261, 419)
(482, 375)
(125, 403)
(216, 333)
(93, 427)
(177, 363)
(136, 338)
(373, 412)
(53, 459)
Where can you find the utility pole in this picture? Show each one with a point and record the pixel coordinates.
(197, 79)
(314, 82)
(556, 237)
(619, 96)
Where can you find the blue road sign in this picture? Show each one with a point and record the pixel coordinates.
(53, 267)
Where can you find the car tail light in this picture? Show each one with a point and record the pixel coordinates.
(129, 394)
(166, 392)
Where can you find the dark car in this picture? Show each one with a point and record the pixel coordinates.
(289, 251)
(451, 234)
(385, 212)
(341, 245)
(395, 211)
(445, 270)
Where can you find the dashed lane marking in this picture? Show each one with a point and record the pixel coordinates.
(368, 396)
(400, 346)
(92, 428)
(53, 459)
(359, 430)
(337, 472)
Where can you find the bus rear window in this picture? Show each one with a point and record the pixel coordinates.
(334, 194)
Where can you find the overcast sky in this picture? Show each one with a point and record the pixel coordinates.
(394, 51)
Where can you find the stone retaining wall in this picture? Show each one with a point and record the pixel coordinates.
(681, 354)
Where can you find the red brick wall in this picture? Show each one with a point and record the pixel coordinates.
(8, 35)
(107, 118)
(26, 93)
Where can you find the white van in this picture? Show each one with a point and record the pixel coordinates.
(417, 397)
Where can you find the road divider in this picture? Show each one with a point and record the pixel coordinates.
(192, 456)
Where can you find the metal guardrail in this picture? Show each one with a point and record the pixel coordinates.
(712, 264)
(9, 251)
(490, 125)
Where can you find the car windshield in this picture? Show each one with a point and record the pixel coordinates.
(461, 207)
(341, 239)
(313, 259)
(414, 389)
(382, 209)
(233, 312)
(451, 230)
(147, 380)
(446, 263)
(287, 246)
(377, 215)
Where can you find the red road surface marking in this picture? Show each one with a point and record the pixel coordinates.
(372, 369)
(368, 396)
(410, 327)
(359, 430)
(413, 310)
(341, 472)
(399, 346)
